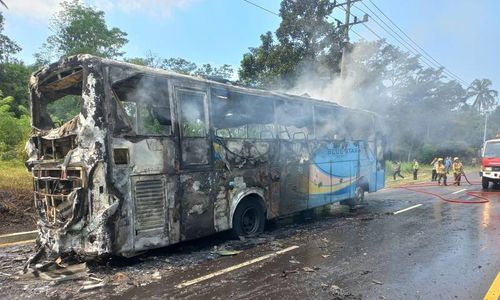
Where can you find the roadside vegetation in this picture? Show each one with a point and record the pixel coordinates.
(14, 175)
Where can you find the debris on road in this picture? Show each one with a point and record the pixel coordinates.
(339, 293)
(228, 252)
(286, 272)
(377, 282)
(91, 287)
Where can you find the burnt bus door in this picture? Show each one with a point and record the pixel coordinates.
(197, 209)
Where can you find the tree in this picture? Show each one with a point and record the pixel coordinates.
(78, 28)
(7, 46)
(14, 78)
(484, 96)
(207, 70)
(179, 65)
(306, 43)
(14, 131)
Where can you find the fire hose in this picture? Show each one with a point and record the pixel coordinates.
(481, 196)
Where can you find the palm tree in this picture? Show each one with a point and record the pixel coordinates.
(3, 3)
(484, 96)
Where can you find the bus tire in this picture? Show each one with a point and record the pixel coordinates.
(359, 198)
(248, 218)
(485, 182)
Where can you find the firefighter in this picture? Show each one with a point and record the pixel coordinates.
(397, 170)
(415, 169)
(447, 164)
(441, 172)
(434, 169)
(458, 170)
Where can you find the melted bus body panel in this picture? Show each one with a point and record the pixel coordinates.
(152, 158)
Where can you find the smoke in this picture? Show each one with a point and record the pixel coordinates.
(355, 88)
(420, 109)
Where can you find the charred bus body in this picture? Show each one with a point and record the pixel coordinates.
(154, 158)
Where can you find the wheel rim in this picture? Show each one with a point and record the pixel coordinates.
(249, 221)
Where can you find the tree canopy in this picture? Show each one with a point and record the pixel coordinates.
(8, 48)
(305, 42)
(183, 66)
(78, 28)
(484, 96)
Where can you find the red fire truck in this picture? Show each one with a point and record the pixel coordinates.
(490, 165)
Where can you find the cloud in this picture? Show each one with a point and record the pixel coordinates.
(39, 10)
(43, 10)
(157, 8)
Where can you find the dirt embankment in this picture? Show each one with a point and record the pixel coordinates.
(17, 211)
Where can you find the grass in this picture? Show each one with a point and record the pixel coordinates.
(14, 175)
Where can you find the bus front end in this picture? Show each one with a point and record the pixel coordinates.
(67, 154)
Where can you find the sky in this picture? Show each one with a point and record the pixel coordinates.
(461, 35)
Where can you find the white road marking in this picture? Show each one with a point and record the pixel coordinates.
(406, 209)
(459, 191)
(235, 267)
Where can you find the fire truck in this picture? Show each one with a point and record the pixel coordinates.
(490, 164)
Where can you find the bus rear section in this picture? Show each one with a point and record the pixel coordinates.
(490, 163)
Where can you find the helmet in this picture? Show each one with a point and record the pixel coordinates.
(440, 159)
(456, 158)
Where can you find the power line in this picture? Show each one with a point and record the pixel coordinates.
(401, 41)
(404, 33)
(411, 48)
(263, 8)
(375, 34)
(425, 54)
(397, 37)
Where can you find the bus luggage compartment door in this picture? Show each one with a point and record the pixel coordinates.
(294, 188)
(149, 211)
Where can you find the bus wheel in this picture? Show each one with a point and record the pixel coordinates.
(485, 183)
(248, 218)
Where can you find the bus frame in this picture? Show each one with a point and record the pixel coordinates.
(154, 158)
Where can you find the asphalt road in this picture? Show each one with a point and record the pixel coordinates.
(435, 250)
(438, 250)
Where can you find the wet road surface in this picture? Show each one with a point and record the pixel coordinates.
(438, 250)
(430, 249)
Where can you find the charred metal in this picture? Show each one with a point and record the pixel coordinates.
(154, 158)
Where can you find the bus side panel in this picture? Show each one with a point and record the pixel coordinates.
(294, 187)
(333, 173)
(197, 207)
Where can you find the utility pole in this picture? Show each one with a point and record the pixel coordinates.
(347, 24)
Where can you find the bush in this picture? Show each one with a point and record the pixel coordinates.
(14, 132)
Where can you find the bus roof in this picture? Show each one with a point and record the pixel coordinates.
(88, 59)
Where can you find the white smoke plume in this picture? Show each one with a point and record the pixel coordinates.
(344, 90)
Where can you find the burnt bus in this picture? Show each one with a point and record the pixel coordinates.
(152, 158)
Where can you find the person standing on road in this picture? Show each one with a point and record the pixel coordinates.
(447, 164)
(397, 170)
(415, 169)
(458, 170)
(441, 172)
(434, 169)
